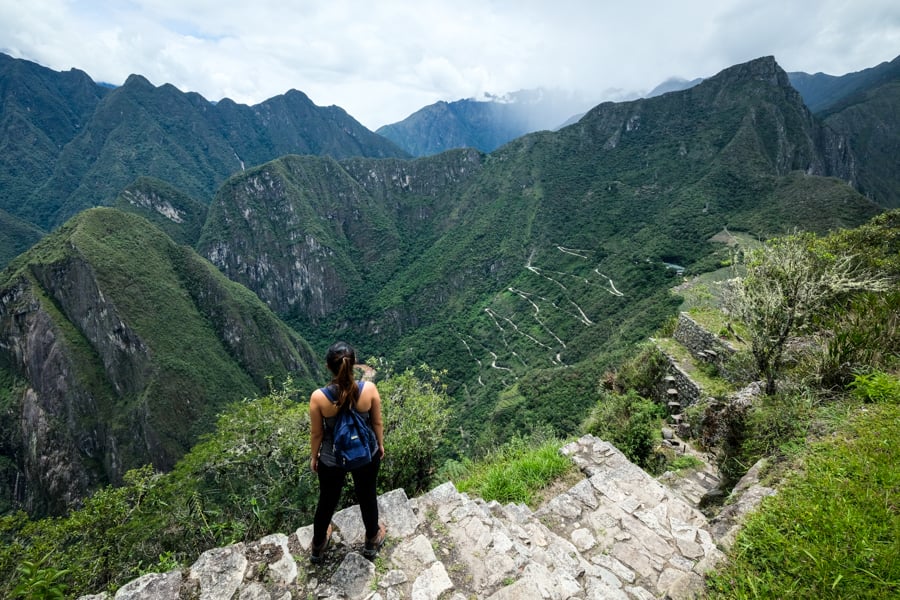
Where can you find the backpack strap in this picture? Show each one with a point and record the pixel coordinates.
(332, 398)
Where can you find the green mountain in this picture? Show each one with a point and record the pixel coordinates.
(482, 124)
(821, 91)
(16, 236)
(867, 120)
(40, 112)
(523, 272)
(118, 348)
(71, 144)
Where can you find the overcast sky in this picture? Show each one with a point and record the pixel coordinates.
(381, 60)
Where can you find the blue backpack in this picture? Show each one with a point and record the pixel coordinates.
(353, 438)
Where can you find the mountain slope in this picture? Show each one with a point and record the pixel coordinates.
(177, 214)
(522, 276)
(311, 236)
(118, 348)
(868, 120)
(40, 112)
(16, 236)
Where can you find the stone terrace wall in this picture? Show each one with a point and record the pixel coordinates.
(677, 386)
(702, 344)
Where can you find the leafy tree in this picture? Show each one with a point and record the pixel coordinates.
(414, 407)
(788, 280)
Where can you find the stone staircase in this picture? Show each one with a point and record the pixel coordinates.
(617, 534)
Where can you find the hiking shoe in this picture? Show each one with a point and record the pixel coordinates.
(374, 544)
(317, 553)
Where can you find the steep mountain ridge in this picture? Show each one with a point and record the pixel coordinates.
(304, 232)
(40, 112)
(118, 348)
(867, 122)
(77, 144)
(822, 92)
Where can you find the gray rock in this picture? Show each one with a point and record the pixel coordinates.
(220, 572)
(414, 556)
(154, 586)
(433, 582)
(354, 576)
(618, 534)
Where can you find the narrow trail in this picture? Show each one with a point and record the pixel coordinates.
(612, 287)
(537, 309)
(515, 328)
(550, 326)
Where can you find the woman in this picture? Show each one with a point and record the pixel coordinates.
(323, 413)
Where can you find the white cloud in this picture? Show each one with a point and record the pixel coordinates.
(383, 60)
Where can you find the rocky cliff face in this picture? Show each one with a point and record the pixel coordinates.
(302, 232)
(865, 130)
(48, 450)
(111, 366)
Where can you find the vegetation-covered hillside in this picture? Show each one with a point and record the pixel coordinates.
(523, 274)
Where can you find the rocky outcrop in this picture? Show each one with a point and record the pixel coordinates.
(617, 534)
(117, 349)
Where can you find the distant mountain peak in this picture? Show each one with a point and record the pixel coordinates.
(135, 80)
(484, 123)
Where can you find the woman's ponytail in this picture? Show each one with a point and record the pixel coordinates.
(341, 358)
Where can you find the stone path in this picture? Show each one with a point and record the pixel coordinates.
(618, 534)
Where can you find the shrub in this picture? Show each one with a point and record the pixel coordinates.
(876, 387)
(776, 423)
(859, 333)
(643, 372)
(414, 407)
(629, 422)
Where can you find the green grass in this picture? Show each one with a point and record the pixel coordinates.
(516, 472)
(685, 463)
(833, 529)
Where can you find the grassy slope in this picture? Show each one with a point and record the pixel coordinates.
(833, 529)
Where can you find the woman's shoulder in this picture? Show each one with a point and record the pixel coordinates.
(319, 397)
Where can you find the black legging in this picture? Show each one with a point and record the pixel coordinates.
(331, 481)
